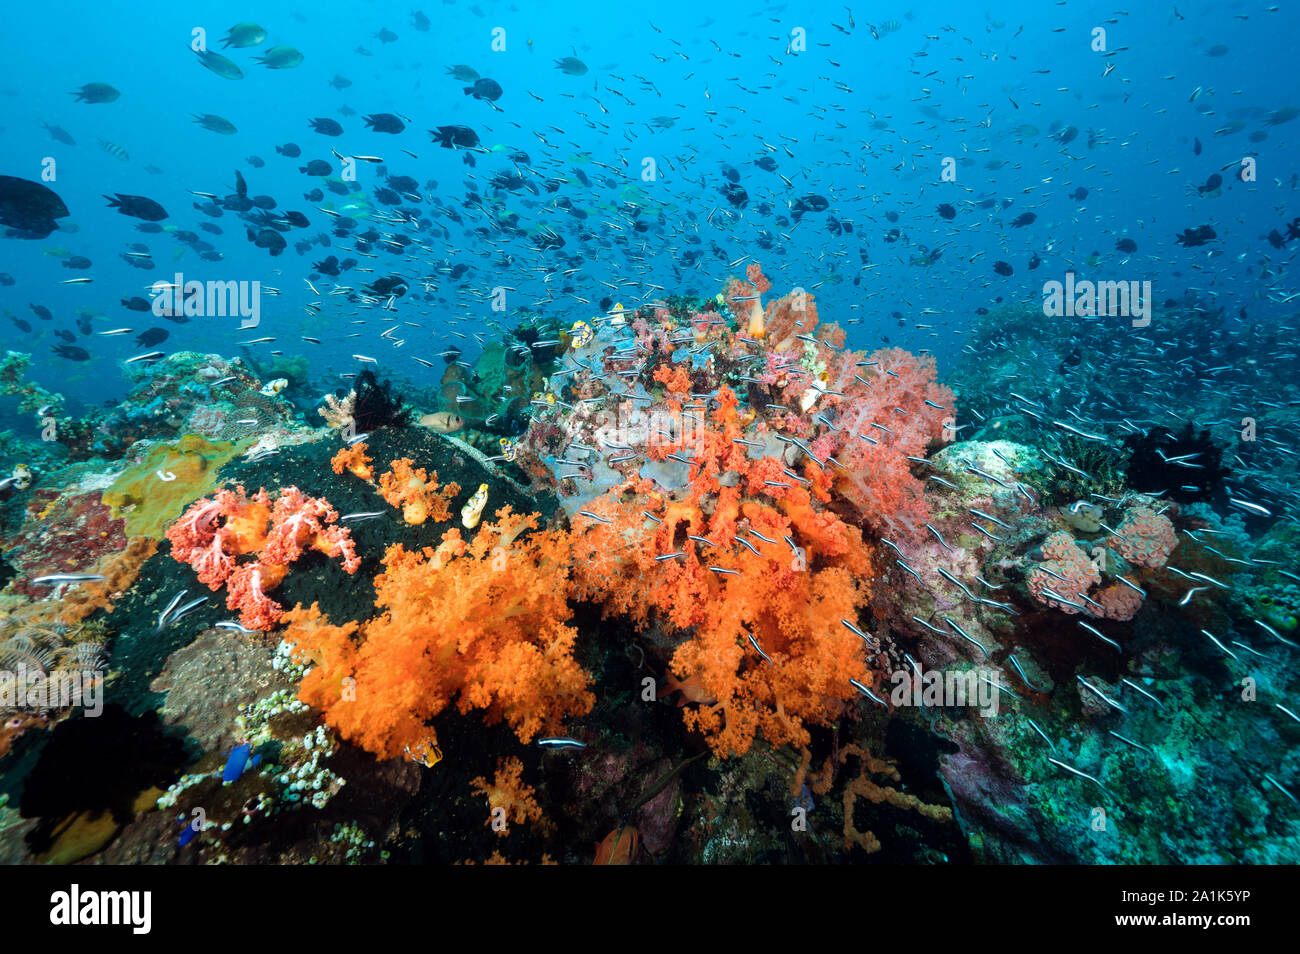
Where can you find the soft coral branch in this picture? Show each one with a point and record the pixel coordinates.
(477, 624)
(212, 534)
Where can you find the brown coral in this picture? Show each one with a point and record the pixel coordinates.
(863, 787)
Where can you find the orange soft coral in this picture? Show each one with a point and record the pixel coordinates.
(864, 787)
(479, 624)
(119, 571)
(416, 492)
(730, 583)
(354, 460)
(674, 377)
(510, 799)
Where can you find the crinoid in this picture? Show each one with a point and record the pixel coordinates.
(1103, 465)
(49, 669)
(1186, 465)
(24, 650)
(81, 657)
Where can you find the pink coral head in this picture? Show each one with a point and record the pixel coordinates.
(1145, 538)
(296, 521)
(1064, 575)
(194, 529)
(1119, 602)
(212, 562)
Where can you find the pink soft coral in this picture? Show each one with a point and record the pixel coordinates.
(891, 412)
(298, 522)
(246, 593)
(212, 534)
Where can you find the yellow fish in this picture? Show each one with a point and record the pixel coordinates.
(507, 448)
(424, 753)
(114, 150)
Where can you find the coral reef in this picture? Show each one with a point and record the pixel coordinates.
(761, 606)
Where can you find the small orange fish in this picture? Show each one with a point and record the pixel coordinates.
(691, 688)
(619, 847)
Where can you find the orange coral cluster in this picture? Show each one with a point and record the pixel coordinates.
(354, 460)
(416, 492)
(119, 571)
(791, 603)
(479, 624)
(674, 377)
(511, 800)
(862, 787)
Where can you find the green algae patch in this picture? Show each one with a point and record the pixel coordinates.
(151, 494)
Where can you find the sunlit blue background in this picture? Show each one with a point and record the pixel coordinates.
(868, 121)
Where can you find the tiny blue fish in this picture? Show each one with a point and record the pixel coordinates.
(237, 762)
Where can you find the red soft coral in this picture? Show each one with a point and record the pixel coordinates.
(193, 531)
(212, 534)
(298, 523)
(246, 593)
(214, 562)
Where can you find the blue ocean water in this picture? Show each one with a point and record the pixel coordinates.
(859, 104)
